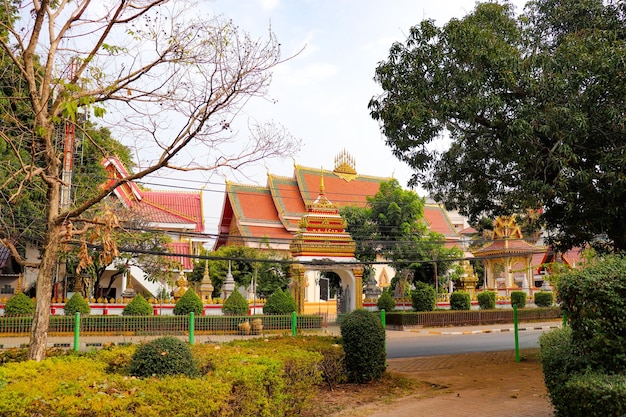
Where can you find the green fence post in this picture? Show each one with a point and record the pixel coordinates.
(294, 323)
(564, 318)
(76, 331)
(192, 323)
(383, 321)
(516, 328)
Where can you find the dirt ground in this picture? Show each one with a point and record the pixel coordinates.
(485, 384)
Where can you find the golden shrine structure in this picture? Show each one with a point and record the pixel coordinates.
(510, 261)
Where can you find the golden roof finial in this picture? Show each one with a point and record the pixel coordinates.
(345, 166)
(322, 187)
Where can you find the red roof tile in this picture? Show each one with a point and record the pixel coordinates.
(438, 221)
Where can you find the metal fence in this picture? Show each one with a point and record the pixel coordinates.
(404, 320)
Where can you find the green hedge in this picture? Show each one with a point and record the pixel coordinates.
(544, 299)
(423, 297)
(518, 298)
(272, 378)
(486, 300)
(280, 302)
(594, 299)
(460, 300)
(471, 317)
(575, 390)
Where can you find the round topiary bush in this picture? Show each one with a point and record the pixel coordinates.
(187, 303)
(486, 300)
(423, 297)
(386, 302)
(544, 299)
(235, 305)
(19, 305)
(161, 357)
(460, 300)
(281, 302)
(363, 339)
(518, 298)
(138, 306)
(77, 304)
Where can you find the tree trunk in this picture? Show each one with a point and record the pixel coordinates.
(45, 280)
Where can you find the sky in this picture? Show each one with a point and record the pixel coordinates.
(321, 94)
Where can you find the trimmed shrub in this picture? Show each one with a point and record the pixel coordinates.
(518, 298)
(558, 360)
(77, 304)
(544, 299)
(363, 338)
(235, 305)
(460, 300)
(486, 300)
(281, 302)
(386, 302)
(594, 300)
(161, 357)
(19, 305)
(187, 303)
(594, 394)
(138, 306)
(423, 297)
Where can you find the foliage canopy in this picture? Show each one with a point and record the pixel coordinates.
(533, 106)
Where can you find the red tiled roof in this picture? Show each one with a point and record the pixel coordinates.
(275, 211)
(500, 246)
(438, 221)
(167, 208)
(339, 191)
(183, 248)
(287, 200)
(175, 207)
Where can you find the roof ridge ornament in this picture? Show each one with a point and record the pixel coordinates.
(345, 166)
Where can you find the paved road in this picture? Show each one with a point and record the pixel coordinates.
(416, 345)
(459, 340)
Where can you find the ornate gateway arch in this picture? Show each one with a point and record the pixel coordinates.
(323, 244)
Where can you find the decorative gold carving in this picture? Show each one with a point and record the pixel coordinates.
(506, 228)
(345, 166)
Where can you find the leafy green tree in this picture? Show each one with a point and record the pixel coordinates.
(167, 78)
(392, 225)
(533, 106)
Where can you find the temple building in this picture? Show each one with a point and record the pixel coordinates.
(270, 216)
(178, 214)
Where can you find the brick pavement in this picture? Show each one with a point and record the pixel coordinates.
(476, 384)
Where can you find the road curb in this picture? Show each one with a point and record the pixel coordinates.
(495, 330)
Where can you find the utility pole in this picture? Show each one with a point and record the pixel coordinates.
(69, 144)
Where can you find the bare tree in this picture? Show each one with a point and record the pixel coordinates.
(158, 72)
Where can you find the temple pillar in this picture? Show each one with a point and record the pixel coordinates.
(358, 290)
(297, 286)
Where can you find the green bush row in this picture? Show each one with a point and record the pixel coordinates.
(157, 324)
(575, 389)
(585, 364)
(265, 378)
